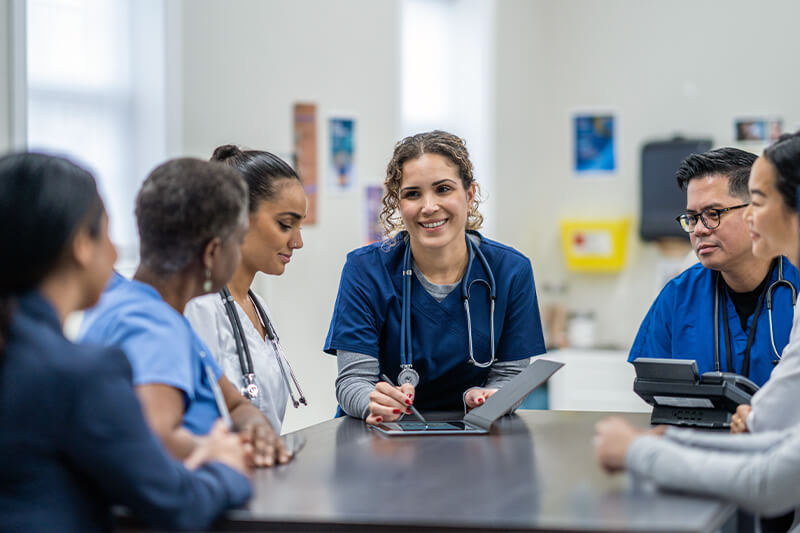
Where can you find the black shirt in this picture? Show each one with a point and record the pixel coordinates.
(745, 302)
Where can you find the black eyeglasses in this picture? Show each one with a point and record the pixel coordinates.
(710, 218)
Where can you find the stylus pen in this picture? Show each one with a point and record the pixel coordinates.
(217, 391)
(385, 378)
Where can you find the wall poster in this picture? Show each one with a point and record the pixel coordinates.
(374, 228)
(594, 140)
(305, 154)
(341, 160)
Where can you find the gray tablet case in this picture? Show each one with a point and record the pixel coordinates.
(480, 419)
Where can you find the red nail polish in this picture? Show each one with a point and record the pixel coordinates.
(408, 411)
(396, 411)
(408, 402)
(410, 395)
(379, 419)
(480, 400)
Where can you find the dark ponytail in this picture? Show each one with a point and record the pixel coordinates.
(784, 154)
(43, 202)
(261, 170)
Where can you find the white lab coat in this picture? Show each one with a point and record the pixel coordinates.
(775, 404)
(210, 320)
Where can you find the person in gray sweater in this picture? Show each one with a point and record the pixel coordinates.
(757, 471)
(774, 228)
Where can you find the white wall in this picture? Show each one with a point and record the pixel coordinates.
(245, 63)
(5, 75)
(688, 66)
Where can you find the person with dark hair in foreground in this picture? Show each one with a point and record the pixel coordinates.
(727, 287)
(73, 440)
(192, 218)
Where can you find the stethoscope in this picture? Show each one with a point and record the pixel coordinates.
(407, 372)
(250, 388)
(766, 295)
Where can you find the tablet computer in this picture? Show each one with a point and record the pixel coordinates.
(480, 419)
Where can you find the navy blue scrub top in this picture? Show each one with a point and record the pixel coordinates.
(367, 318)
(680, 324)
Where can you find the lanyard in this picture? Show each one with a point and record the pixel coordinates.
(750, 335)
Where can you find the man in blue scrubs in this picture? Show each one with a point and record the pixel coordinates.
(680, 323)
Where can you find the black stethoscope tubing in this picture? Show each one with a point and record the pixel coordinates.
(250, 389)
(766, 295)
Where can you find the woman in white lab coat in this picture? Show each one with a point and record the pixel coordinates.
(236, 323)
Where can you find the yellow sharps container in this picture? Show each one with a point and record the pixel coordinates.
(597, 245)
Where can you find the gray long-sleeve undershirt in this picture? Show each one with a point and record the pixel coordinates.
(758, 472)
(358, 373)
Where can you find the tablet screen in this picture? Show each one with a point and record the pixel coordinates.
(421, 426)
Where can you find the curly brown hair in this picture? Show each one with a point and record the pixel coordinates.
(413, 147)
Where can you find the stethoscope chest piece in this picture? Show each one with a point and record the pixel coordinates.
(408, 375)
(250, 389)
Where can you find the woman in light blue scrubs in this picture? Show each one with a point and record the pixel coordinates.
(192, 219)
(441, 357)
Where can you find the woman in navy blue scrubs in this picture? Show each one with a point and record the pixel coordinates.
(440, 356)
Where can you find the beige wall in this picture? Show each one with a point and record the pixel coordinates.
(244, 66)
(687, 66)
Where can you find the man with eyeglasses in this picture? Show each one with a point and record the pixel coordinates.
(681, 322)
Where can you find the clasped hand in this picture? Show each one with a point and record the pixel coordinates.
(613, 437)
(263, 447)
(739, 419)
(252, 447)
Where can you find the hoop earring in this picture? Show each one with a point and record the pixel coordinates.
(207, 282)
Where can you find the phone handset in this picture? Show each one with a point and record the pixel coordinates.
(734, 380)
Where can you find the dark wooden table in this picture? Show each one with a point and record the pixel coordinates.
(535, 471)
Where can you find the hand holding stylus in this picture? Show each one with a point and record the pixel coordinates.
(388, 402)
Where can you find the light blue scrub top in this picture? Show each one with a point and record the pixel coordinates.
(160, 344)
(366, 319)
(680, 324)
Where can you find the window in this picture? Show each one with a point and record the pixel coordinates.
(95, 93)
(447, 78)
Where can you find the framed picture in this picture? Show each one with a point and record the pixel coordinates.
(594, 143)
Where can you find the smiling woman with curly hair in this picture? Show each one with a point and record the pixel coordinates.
(401, 310)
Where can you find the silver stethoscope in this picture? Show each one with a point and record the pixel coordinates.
(407, 372)
(766, 295)
(250, 388)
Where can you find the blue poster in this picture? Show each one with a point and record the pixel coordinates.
(594, 143)
(341, 171)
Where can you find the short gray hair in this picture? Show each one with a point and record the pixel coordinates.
(182, 205)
